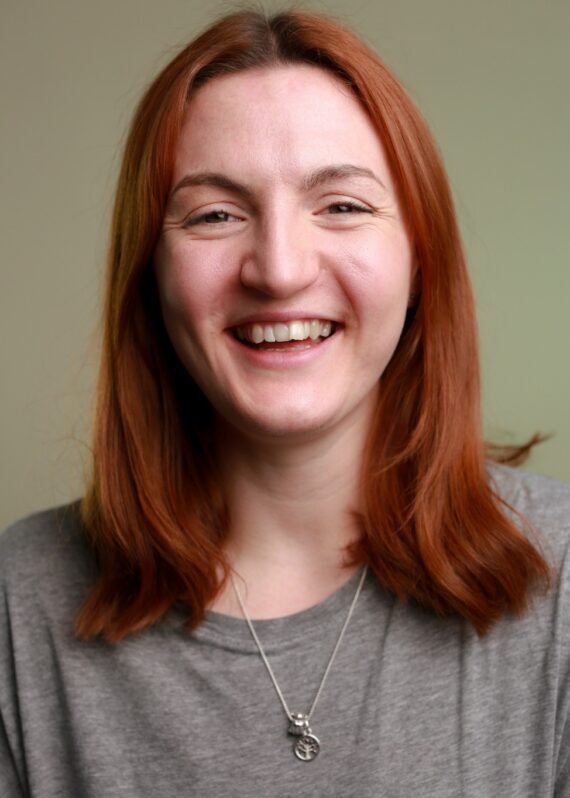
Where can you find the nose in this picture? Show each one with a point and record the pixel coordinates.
(282, 260)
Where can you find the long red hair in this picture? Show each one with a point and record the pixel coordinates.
(433, 530)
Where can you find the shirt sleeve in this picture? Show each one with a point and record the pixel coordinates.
(11, 753)
(562, 788)
(10, 786)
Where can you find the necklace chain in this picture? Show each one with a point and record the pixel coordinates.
(308, 739)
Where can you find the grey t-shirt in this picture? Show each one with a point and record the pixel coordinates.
(414, 705)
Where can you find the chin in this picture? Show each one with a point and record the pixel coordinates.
(264, 419)
(295, 422)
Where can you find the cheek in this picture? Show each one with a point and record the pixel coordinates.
(378, 276)
(193, 281)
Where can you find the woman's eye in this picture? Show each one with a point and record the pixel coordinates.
(348, 208)
(210, 218)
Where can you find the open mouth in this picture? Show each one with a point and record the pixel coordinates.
(296, 334)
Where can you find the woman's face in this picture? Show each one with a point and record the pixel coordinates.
(284, 265)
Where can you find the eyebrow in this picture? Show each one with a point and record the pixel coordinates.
(339, 171)
(310, 181)
(212, 179)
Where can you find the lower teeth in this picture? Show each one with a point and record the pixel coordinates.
(278, 345)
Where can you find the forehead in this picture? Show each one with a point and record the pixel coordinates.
(283, 120)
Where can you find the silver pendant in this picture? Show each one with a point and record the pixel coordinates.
(298, 724)
(307, 746)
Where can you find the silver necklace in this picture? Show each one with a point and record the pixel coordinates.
(307, 745)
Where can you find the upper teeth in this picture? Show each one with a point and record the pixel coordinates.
(298, 330)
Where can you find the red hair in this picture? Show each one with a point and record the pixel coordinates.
(433, 530)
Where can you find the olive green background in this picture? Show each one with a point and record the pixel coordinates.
(492, 78)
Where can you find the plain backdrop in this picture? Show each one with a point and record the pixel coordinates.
(492, 78)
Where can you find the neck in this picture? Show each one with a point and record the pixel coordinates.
(291, 515)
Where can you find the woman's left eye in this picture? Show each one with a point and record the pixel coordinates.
(348, 208)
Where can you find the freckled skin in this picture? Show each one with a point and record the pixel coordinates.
(337, 249)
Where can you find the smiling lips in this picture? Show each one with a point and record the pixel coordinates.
(308, 330)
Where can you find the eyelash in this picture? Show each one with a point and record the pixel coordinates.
(193, 221)
(354, 207)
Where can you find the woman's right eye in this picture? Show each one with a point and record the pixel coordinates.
(209, 218)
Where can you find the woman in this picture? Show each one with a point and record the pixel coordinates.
(288, 431)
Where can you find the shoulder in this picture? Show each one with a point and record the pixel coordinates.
(45, 557)
(543, 501)
(540, 505)
(532, 494)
